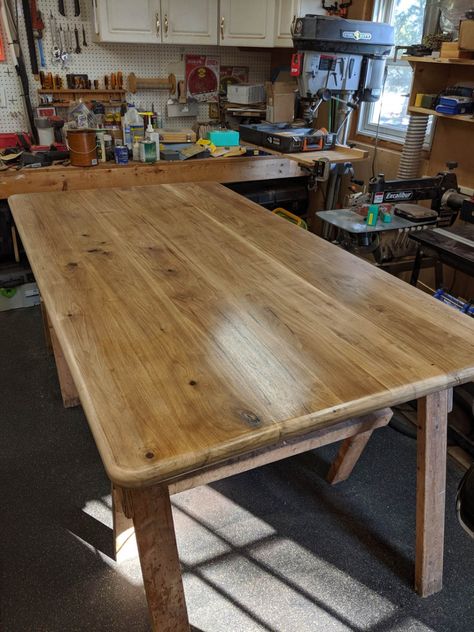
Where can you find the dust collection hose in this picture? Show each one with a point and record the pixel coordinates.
(411, 154)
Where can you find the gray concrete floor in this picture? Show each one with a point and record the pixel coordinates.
(273, 550)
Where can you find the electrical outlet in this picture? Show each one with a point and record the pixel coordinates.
(3, 98)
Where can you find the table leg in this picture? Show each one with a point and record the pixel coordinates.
(66, 383)
(416, 266)
(125, 543)
(430, 492)
(347, 457)
(153, 520)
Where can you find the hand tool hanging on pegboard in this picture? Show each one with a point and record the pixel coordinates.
(11, 36)
(30, 37)
(38, 28)
(62, 8)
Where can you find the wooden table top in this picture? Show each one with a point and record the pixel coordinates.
(199, 326)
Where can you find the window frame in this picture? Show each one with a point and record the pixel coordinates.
(383, 12)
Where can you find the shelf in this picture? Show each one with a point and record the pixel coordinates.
(440, 61)
(80, 91)
(462, 118)
(66, 104)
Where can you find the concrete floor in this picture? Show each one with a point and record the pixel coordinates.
(273, 550)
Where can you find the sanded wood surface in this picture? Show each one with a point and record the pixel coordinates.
(107, 175)
(197, 326)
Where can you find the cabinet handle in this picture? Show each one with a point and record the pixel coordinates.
(222, 27)
(166, 24)
(158, 24)
(292, 26)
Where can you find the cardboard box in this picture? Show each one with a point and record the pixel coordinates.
(451, 50)
(280, 101)
(466, 35)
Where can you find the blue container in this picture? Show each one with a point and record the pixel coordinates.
(121, 154)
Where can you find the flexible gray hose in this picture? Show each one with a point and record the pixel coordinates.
(411, 154)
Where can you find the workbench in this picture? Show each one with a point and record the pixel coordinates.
(107, 175)
(213, 342)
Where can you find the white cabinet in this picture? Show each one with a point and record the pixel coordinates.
(129, 22)
(286, 13)
(246, 22)
(156, 22)
(189, 21)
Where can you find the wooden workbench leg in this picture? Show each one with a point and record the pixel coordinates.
(46, 329)
(153, 520)
(125, 543)
(66, 383)
(347, 457)
(430, 492)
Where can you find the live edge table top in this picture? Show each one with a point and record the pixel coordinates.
(197, 326)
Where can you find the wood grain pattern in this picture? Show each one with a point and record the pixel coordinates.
(197, 326)
(159, 560)
(430, 492)
(59, 178)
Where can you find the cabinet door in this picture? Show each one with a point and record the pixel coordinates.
(286, 13)
(130, 22)
(246, 22)
(189, 21)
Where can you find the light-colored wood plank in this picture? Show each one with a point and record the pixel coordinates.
(108, 175)
(431, 489)
(198, 327)
(69, 392)
(159, 560)
(341, 153)
(347, 457)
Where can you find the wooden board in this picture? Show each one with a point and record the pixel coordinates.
(307, 158)
(197, 326)
(59, 178)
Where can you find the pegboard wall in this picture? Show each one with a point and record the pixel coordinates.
(97, 60)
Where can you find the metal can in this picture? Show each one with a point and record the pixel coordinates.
(121, 154)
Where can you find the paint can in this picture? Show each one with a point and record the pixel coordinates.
(82, 145)
(121, 154)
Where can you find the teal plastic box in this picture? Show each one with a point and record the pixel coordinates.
(224, 137)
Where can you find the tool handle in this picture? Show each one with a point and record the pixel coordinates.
(77, 8)
(61, 7)
(76, 35)
(41, 53)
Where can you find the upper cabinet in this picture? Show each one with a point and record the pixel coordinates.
(122, 21)
(189, 21)
(286, 13)
(246, 22)
(256, 23)
(156, 21)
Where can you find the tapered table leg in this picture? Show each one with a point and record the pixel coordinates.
(151, 511)
(430, 492)
(347, 457)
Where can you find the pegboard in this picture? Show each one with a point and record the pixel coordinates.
(99, 59)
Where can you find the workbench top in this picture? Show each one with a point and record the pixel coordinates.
(105, 175)
(198, 336)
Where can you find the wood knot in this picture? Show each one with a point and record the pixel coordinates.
(71, 265)
(150, 454)
(250, 418)
(192, 382)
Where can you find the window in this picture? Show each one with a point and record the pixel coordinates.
(390, 112)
